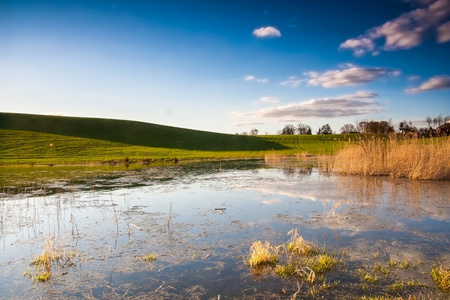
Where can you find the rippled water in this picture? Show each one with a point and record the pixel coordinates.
(200, 221)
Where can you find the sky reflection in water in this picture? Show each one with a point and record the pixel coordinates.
(201, 221)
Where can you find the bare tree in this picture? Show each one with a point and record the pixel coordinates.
(348, 128)
(303, 129)
(440, 120)
(325, 129)
(360, 125)
(404, 127)
(288, 129)
(429, 120)
(435, 122)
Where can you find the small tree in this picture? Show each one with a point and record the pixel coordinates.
(303, 129)
(440, 120)
(254, 131)
(325, 129)
(404, 127)
(348, 128)
(429, 120)
(288, 129)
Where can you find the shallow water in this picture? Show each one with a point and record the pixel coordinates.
(200, 221)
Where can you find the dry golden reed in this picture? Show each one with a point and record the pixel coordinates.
(411, 158)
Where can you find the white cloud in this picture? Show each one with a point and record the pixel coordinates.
(443, 33)
(406, 31)
(359, 45)
(360, 95)
(434, 83)
(246, 124)
(266, 32)
(253, 78)
(271, 202)
(269, 100)
(359, 103)
(293, 81)
(352, 75)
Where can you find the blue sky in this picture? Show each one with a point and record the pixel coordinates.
(227, 66)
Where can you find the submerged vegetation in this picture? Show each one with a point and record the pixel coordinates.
(410, 158)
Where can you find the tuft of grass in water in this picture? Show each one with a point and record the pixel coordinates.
(441, 277)
(298, 246)
(286, 270)
(392, 263)
(148, 257)
(322, 263)
(304, 260)
(262, 254)
(371, 278)
(381, 269)
(45, 264)
(405, 264)
(411, 158)
(397, 286)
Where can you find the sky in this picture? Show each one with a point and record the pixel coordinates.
(227, 66)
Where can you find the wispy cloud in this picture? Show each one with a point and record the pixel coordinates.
(246, 124)
(293, 81)
(360, 103)
(269, 100)
(434, 83)
(352, 75)
(254, 78)
(443, 33)
(266, 32)
(406, 31)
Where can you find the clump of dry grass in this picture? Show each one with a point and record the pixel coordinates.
(298, 246)
(45, 264)
(262, 254)
(441, 277)
(410, 158)
(303, 260)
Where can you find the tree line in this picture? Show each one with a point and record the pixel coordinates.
(366, 126)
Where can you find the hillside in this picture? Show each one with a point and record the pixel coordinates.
(135, 133)
(37, 139)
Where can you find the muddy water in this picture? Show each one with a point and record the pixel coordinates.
(200, 221)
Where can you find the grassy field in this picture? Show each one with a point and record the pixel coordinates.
(41, 140)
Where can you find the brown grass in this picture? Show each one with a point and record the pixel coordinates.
(411, 158)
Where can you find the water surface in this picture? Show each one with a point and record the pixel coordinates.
(200, 221)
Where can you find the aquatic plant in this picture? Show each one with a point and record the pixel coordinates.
(398, 286)
(262, 253)
(303, 259)
(44, 264)
(148, 257)
(441, 276)
(298, 246)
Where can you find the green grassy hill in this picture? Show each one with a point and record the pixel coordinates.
(26, 139)
(135, 133)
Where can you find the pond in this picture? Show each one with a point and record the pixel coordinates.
(185, 232)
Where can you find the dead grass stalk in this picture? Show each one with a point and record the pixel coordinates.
(410, 158)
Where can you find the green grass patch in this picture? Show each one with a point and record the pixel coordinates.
(51, 140)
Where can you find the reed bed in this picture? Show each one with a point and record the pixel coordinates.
(410, 158)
